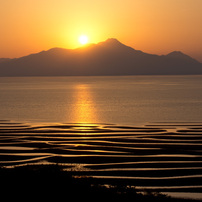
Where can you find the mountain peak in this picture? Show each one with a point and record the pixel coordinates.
(115, 45)
(176, 54)
(180, 55)
(111, 42)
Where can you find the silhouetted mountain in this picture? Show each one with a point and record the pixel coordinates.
(105, 58)
(181, 56)
(4, 59)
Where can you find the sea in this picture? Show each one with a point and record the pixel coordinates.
(145, 131)
(106, 99)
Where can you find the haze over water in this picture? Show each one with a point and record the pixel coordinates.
(119, 100)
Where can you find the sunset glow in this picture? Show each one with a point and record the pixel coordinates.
(156, 27)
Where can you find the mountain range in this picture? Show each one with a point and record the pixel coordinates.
(110, 57)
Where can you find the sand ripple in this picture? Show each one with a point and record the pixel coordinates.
(156, 156)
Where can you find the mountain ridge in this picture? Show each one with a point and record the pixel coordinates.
(110, 57)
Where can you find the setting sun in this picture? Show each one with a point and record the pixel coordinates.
(83, 39)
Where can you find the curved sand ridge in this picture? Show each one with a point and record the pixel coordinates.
(157, 156)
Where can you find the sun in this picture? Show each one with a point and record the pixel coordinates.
(83, 39)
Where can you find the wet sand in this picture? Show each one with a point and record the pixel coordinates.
(165, 157)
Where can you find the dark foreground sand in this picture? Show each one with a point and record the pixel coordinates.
(162, 157)
(50, 182)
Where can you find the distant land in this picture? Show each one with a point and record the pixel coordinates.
(110, 57)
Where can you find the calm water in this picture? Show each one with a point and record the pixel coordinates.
(120, 100)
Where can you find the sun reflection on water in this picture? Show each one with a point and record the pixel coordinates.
(83, 110)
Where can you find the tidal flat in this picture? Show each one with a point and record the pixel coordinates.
(152, 158)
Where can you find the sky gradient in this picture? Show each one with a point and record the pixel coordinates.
(157, 26)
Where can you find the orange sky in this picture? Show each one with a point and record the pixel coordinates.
(153, 26)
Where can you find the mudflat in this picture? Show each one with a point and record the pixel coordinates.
(162, 157)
